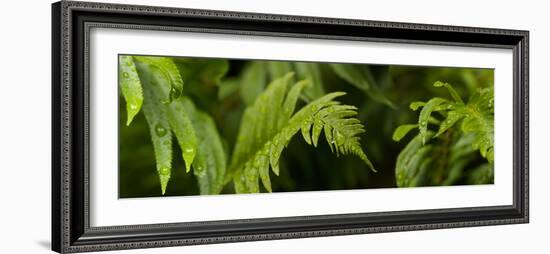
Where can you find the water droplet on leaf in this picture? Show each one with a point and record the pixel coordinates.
(161, 131)
(164, 171)
(125, 74)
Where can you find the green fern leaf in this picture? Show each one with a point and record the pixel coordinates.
(412, 163)
(159, 126)
(269, 124)
(479, 120)
(181, 124)
(425, 114)
(130, 86)
(167, 67)
(440, 162)
(209, 164)
(402, 130)
(157, 76)
(441, 158)
(452, 91)
(477, 117)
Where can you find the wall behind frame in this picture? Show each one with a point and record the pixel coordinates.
(25, 125)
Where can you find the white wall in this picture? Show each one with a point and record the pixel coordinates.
(25, 126)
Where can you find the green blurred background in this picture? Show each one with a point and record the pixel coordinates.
(302, 167)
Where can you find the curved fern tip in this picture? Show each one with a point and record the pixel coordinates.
(187, 167)
(416, 105)
(402, 131)
(163, 183)
(188, 156)
(337, 94)
(372, 168)
(131, 114)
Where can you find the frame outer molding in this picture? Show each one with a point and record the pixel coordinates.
(68, 238)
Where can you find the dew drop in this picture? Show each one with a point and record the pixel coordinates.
(423, 123)
(161, 131)
(189, 150)
(164, 171)
(133, 106)
(125, 74)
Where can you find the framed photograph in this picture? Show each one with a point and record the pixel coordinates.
(179, 126)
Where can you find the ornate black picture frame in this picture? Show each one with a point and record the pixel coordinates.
(71, 231)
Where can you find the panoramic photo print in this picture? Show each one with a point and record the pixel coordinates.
(207, 126)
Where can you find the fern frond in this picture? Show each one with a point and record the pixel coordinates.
(440, 162)
(429, 149)
(269, 124)
(167, 67)
(130, 86)
(477, 117)
(413, 162)
(159, 126)
(209, 164)
(402, 130)
(479, 120)
(159, 79)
